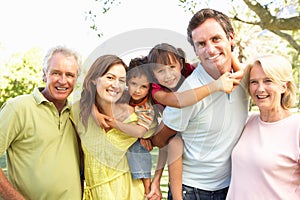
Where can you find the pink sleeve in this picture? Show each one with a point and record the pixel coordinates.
(155, 88)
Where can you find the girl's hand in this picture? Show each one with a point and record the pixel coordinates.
(225, 83)
(237, 75)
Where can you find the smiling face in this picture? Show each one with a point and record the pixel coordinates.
(168, 75)
(111, 85)
(138, 88)
(60, 78)
(213, 47)
(265, 93)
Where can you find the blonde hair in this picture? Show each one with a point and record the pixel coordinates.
(279, 69)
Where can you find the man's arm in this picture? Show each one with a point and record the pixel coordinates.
(162, 135)
(7, 191)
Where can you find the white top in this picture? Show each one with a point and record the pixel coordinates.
(210, 129)
(266, 161)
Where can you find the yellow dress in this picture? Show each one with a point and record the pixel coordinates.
(107, 172)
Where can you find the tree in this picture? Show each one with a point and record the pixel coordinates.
(21, 74)
(277, 22)
(267, 16)
(275, 16)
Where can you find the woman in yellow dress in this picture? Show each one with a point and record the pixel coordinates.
(106, 170)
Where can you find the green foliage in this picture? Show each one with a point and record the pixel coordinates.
(99, 7)
(3, 164)
(21, 73)
(190, 5)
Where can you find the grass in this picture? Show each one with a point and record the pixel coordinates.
(3, 164)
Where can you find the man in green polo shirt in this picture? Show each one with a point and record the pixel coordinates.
(39, 138)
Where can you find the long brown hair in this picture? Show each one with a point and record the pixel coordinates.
(88, 94)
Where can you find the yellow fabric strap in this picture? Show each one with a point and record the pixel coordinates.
(87, 195)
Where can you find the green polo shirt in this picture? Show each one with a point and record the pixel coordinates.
(42, 150)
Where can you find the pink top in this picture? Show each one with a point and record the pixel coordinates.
(265, 162)
(156, 87)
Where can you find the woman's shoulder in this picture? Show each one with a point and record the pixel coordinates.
(252, 117)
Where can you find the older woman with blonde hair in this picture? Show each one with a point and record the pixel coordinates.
(266, 160)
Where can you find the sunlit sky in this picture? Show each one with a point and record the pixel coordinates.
(45, 23)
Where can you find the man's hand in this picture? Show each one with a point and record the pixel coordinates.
(162, 135)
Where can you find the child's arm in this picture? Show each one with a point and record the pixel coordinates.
(100, 118)
(107, 122)
(237, 68)
(238, 71)
(192, 96)
(145, 115)
(134, 130)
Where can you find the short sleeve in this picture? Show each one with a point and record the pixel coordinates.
(145, 115)
(9, 128)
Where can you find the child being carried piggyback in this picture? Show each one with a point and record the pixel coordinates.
(169, 69)
(152, 82)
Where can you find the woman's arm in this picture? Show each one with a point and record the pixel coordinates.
(105, 121)
(134, 130)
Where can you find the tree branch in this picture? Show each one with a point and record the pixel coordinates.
(287, 37)
(271, 22)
